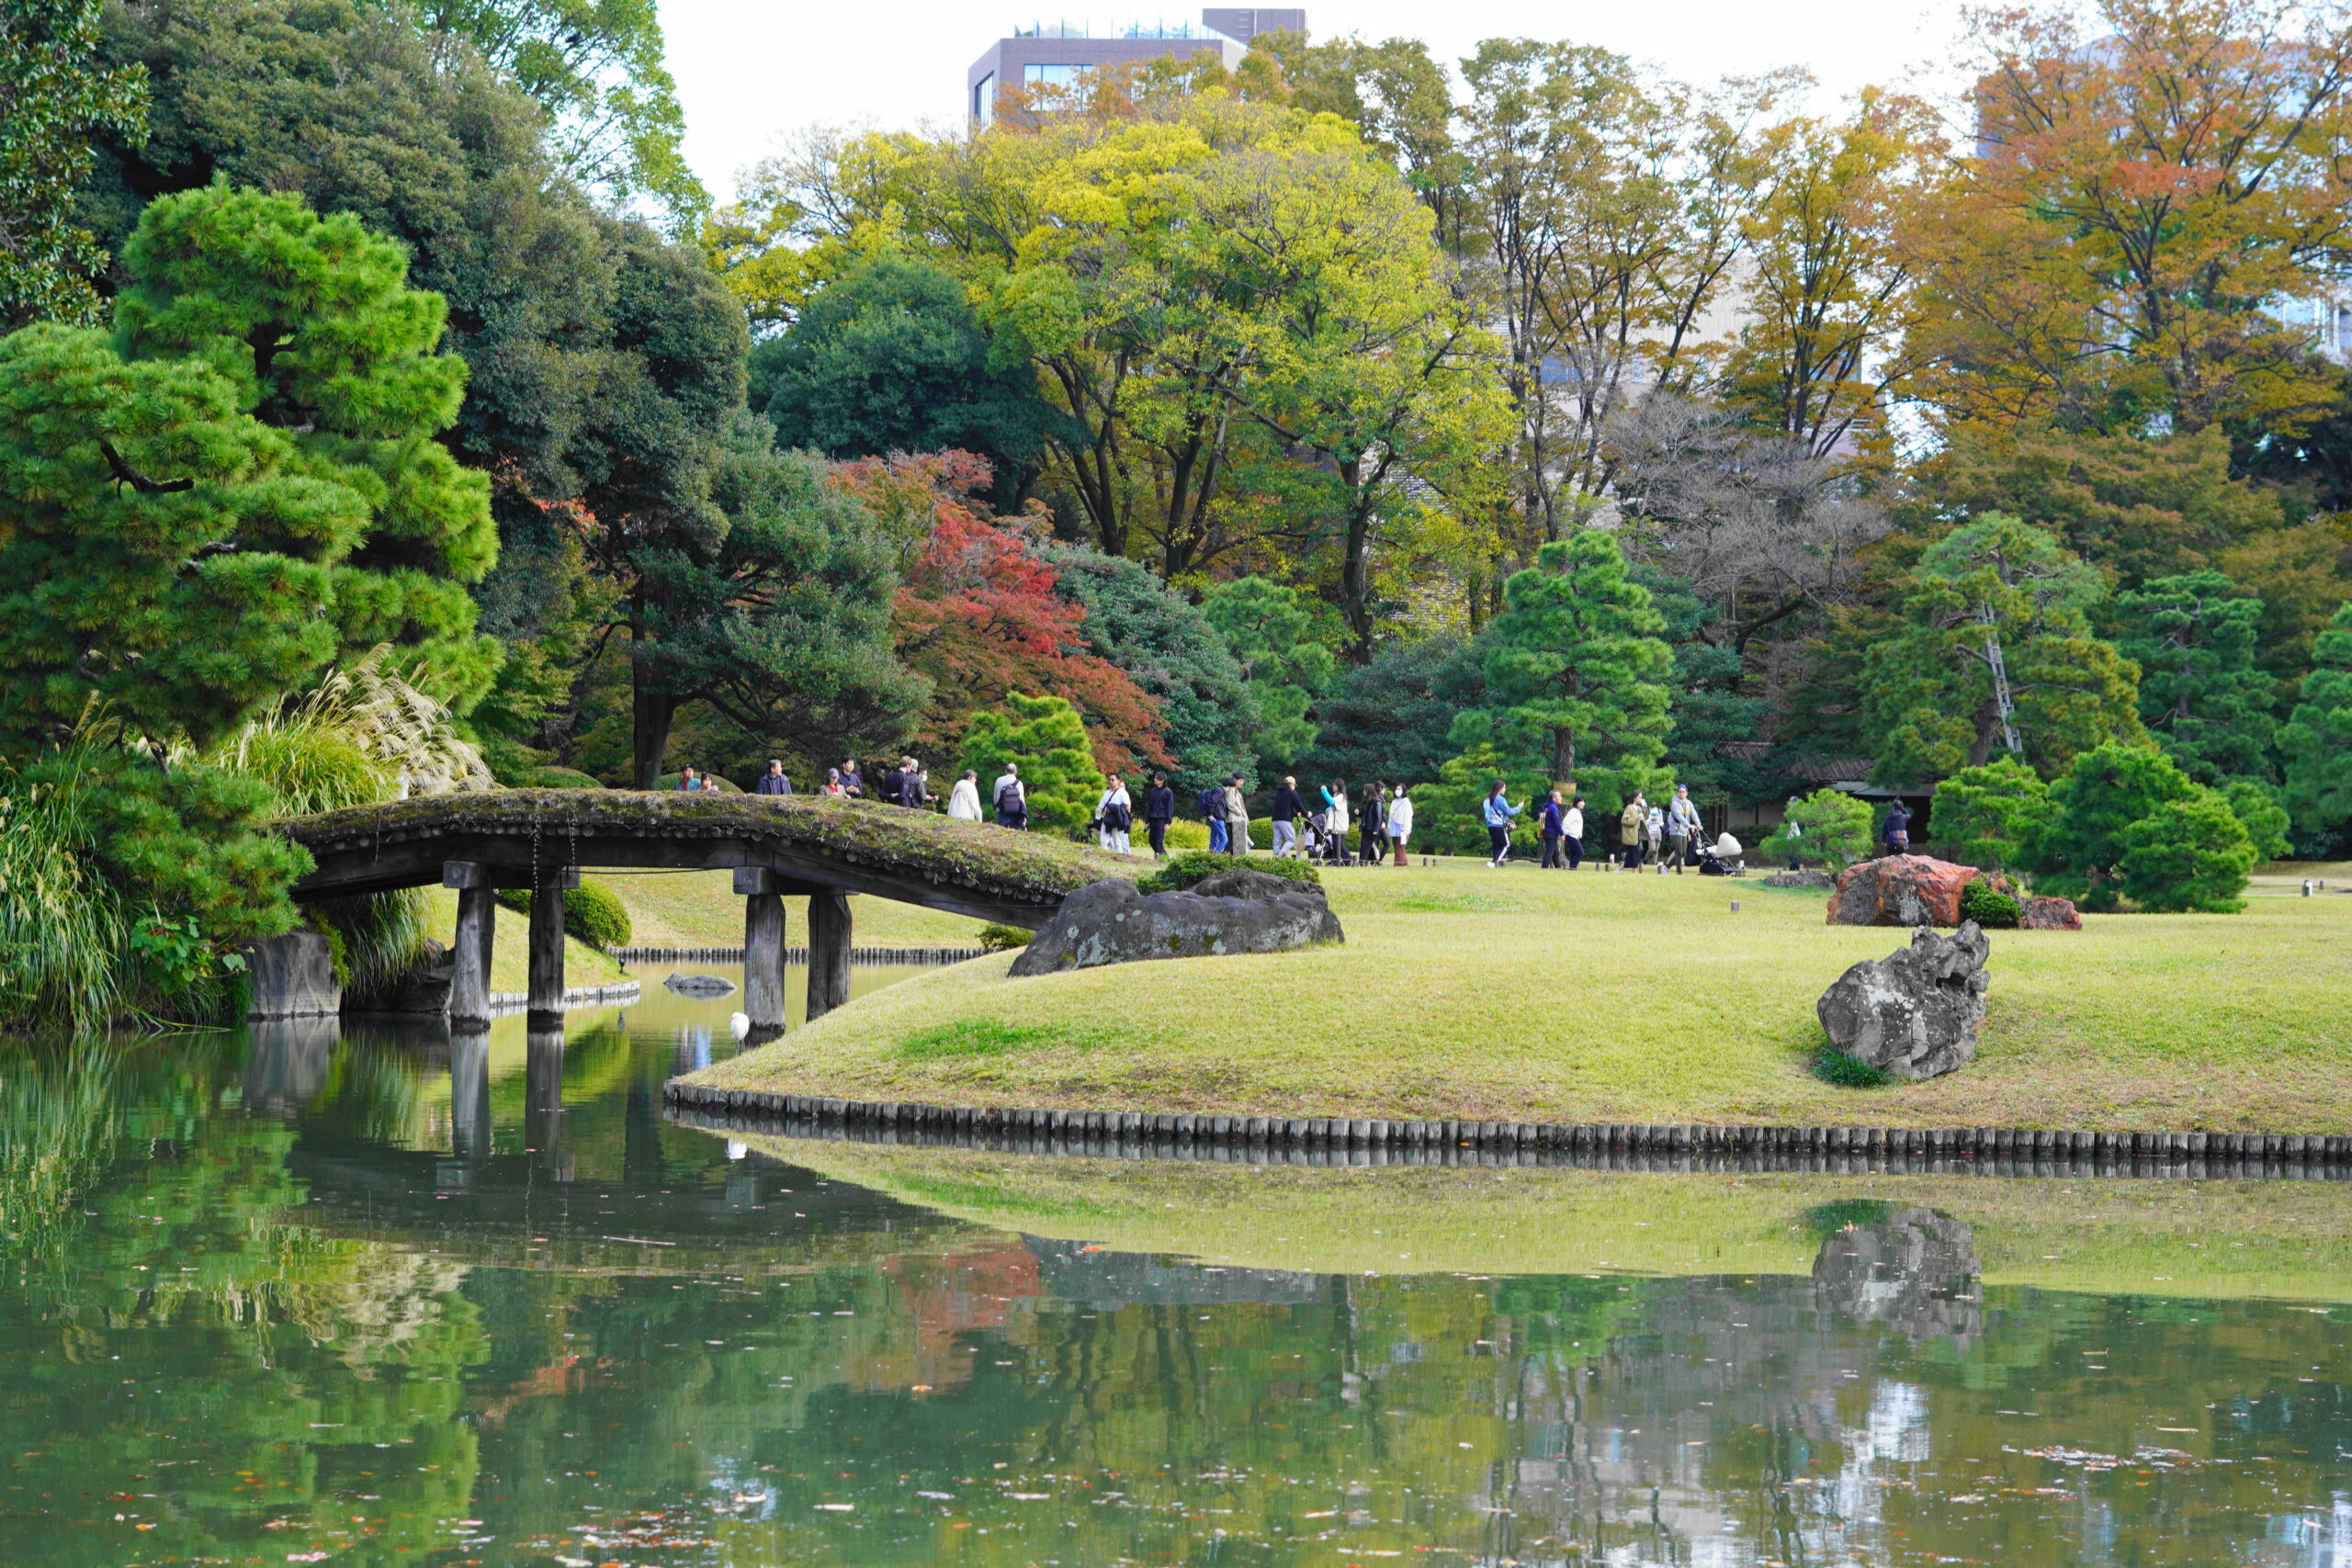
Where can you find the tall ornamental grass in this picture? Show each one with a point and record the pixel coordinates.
(64, 929)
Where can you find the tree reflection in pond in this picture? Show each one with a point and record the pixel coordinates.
(398, 1302)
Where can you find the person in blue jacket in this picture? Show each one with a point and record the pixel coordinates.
(1499, 813)
(1549, 826)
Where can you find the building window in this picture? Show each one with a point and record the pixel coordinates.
(984, 100)
(1051, 75)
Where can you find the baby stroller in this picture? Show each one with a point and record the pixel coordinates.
(1719, 858)
(1324, 844)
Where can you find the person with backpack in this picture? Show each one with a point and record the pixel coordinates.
(1159, 811)
(1114, 814)
(1498, 812)
(1012, 798)
(1212, 803)
(1898, 828)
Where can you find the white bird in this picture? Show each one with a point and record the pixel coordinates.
(739, 1024)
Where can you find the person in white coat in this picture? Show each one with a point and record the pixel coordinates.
(1400, 821)
(1113, 814)
(964, 800)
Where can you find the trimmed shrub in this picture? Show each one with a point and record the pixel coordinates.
(562, 778)
(593, 913)
(1988, 906)
(1199, 865)
(999, 939)
(1836, 832)
(1185, 834)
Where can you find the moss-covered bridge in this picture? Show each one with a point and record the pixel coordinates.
(824, 849)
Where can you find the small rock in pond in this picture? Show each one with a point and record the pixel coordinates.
(700, 986)
(1914, 1013)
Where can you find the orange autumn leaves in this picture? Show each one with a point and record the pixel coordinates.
(979, 615)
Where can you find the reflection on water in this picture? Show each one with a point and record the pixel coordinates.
(379, 1297)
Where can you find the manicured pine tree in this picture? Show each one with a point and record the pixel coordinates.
(1047, 739)
(2126, 823)
(2317, 739)
(1578, 667)
(1267, 626)
(2212, 709)
(1994, 588)
(1990, 815)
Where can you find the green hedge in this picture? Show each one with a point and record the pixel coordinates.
(1988, 906)
(593, 913)
(1199, 865)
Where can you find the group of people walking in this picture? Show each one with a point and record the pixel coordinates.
(1670, 835)
(1382, 819)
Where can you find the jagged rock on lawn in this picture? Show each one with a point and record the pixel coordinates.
(1914, 1013)
(1110, 922)
(1900, 890)
(2047, 915)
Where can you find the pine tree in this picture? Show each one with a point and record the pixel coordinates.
(2317, 739)
(2126, 823)
(1578, 668)
(239, 487)
(1266, 625)
(1995, 603)
(1989, 816)
(1047, 739)
(2212, 708)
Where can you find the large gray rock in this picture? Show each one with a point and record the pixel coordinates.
(1913, 1014)
(291, 976)
(1110, 922)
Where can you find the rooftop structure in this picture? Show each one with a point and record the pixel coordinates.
(1059, 54)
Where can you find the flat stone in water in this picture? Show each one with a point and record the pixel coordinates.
(700, 986)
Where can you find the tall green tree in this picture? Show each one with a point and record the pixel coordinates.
(1991, 816)
(1578, 667)
(596, 67)
(783, 627)
(1167, 647)
(1047, 739)
(238, 487)
(1711, 715)
(890, 357)
(1994, 603)
(1391, 719)
(1267, 626)
(2317, 739)
(2203, 697)
(59, 93)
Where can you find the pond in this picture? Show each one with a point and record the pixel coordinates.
(362, 1298)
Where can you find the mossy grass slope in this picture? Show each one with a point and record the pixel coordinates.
(1543, 996)
(2277, 1240)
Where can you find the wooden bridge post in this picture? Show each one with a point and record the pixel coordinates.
(828, 942)
(477, 926)
(763, 947)
(545, 1001)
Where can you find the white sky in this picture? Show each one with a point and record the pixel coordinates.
(749, 71)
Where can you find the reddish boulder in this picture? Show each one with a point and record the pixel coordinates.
(2047, 915)
(1900, 890)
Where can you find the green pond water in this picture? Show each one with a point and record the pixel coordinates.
(370, 1297)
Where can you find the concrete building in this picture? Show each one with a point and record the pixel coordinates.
(1056, 55)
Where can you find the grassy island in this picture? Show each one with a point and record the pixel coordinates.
(1535, 996)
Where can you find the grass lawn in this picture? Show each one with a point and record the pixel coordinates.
(701, 908)
(1538, 996)
(2278, 1239)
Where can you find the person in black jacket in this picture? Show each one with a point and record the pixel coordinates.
(774, 781)
(1898, 830)
(1159, 810)
(1286, 813)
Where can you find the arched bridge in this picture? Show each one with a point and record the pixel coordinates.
(825, 849)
